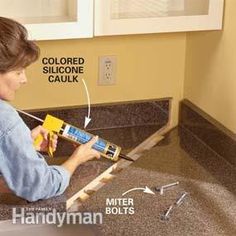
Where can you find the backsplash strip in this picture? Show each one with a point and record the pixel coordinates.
(208, 130)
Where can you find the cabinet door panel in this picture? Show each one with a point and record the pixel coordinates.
(52, 19)
(114, 17)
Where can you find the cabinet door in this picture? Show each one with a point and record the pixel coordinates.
(52, 19)
(115, 17)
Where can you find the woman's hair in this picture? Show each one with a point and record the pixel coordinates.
(16, 51)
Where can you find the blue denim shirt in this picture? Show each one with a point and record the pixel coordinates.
(24, 169)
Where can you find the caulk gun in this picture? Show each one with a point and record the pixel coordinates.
(78, 136)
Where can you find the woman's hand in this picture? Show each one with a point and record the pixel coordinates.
(46, 142)
(85, 152)
(81, 154)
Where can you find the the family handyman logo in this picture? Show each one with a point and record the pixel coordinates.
(21, 216)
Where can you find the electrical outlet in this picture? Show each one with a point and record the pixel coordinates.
(107, 70)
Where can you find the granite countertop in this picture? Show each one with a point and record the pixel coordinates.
(208, 209)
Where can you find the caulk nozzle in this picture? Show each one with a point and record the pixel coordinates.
(123, 156)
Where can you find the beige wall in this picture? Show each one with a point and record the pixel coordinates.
(210, 70)
(149, 67)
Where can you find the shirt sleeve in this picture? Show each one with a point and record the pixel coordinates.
(25, 170)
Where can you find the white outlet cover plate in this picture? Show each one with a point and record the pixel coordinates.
(107, 70)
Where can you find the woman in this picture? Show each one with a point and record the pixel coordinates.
(22, 168)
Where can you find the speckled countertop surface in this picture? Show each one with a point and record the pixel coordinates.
(210, 181)
(208, 209)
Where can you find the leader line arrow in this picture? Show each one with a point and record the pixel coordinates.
(145, 190)
(87, 119)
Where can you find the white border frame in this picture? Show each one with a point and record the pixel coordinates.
(82, 28)
(104, 25)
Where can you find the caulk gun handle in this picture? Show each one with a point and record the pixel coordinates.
(39, 140)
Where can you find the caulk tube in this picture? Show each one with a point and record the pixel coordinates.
(107, 149)
(76, 135)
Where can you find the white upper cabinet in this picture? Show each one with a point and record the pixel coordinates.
(63, 19)
(52, 19)
(117, 17)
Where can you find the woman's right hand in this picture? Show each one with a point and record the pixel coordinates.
(85, 152)
(81, 154)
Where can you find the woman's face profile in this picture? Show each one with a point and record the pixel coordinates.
(10, 82)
